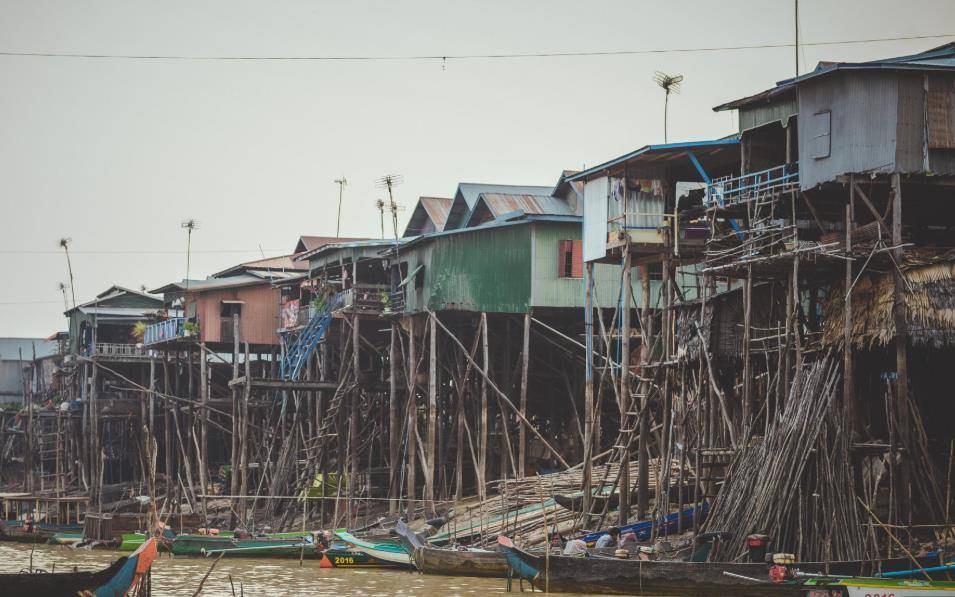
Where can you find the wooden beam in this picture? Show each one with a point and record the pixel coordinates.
(522, 432)
(875, 212)
(281, 384)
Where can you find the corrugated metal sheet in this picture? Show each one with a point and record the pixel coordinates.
(437, 209)
(467, 195)
(10, 347)
(864, 125)
(257, 322)
(500, 204)
(595, 218)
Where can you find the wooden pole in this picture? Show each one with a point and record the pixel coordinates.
(203, 425)
(244, 440)
(588, 391)
(412, 427)
(353, 419)
(624, 398)
(522, 431)
(848, 394)
(394, 455)
(234, 477)
(643, 463)
(432, 414)
(747, 335)
(482, 453)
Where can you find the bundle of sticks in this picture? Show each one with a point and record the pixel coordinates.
(520, 507)
(794, 484)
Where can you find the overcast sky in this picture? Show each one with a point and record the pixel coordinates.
(116, 153)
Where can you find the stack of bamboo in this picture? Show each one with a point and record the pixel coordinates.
(521, 507)
(794, 485)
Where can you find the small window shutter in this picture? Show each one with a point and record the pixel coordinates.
(563, 247)
(821, 134)
(577, 269)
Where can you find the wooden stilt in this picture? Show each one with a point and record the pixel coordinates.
(522, 431)
(623, 511)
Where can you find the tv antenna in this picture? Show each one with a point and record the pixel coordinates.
(189, 225)
(342, 183)
(669, 84)
(381, 209)
(63, 287)
(389, 182)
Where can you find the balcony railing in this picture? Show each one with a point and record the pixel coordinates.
(116, 350)
(164, 331)
(735, 190)
(364, 297)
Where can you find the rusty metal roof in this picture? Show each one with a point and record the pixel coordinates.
(494, 206)
(435, 209)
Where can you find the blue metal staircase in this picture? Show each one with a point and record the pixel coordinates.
(307, 340)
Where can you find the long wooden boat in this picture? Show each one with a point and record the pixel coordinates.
(119, 578)
(868, 587)
(664, 525)
(256, 547)
(340, 556)
(38, 533)
(472, 562)
(612, 576)
(451, 562)
(388, 553)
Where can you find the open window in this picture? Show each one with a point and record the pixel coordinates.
(228, 309)
(570, 262)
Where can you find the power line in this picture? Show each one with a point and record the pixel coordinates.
(32, 252)
(469, 56)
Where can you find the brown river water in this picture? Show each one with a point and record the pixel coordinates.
(254, 577)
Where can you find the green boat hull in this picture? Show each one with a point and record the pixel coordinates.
(262, 547)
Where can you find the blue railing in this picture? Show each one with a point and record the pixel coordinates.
(170, 329)
(734, 190)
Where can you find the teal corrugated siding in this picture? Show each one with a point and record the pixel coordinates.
(487, 270)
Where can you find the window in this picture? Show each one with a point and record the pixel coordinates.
(821, 134)
(230, 308)
(570, 263)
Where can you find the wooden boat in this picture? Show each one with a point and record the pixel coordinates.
(255, 547)
(119, 578)
(451, 562)
(66, 538)
(37, 533)
(869, 587)
(340, 556)
(388, 553)
(612, 576)
(667, 524)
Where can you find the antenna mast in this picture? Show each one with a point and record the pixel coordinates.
(342, 183)
(381, 209)
(797, 36)
(389, 182)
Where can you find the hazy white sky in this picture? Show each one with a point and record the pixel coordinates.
(116, 153)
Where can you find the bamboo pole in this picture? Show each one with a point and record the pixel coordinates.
(623, 403)
(522, 430)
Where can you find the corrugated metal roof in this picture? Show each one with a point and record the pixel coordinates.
(517, 220)
(438, 209)
(126, 312)
(435, 209)
(499, 205)
(664, 155)
(350, 245)
(310, 243)
(940, 58)
(10, 348)
(467, 195)
(276, 264)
